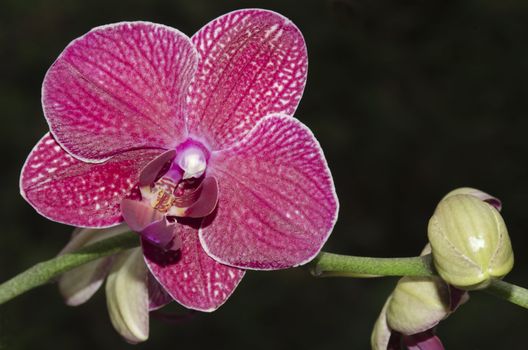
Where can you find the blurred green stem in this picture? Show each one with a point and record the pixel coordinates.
(47, 271)
(324, 265)
(335, 265)
(510, 292)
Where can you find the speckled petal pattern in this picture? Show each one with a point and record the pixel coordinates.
(190, 276)
(277, 203)
(253, 63)
(119, 87)
(76, 193)
(158, 297)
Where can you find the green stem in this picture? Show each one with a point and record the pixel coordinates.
(47, 271)
(328, 264)
(324, 265)
(510, 292)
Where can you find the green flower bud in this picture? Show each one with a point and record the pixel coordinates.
(469, 241)
(80, 284)
(483, 196)
(413, 310)
(418, 304)
(381, 334)
(127, 296)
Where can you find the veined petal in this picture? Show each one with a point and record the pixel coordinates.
(76, 193)
(78, 285)
(150, 224)
(207, 200)
(120, 87)
(253, 63)
(158, 297)
(127, 296)
(277, 203)
(150, 172)
(190, 276)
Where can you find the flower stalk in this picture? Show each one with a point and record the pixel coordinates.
(324, 265)
(47, 271)
(336, 265)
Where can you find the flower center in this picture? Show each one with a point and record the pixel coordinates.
(176, 185)
(192, 161)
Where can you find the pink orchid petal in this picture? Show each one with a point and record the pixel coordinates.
(423, 341)
(163, 234)
(138, 215)
(158, 297)
(150, 172)
(206, 202)
(69, 191)
(254, 63)
(277, 203)
(150, 223)
(190, 276)
(120, 87)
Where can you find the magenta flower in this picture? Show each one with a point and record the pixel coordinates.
(192, 143)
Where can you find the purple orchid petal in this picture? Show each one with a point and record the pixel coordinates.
(120, 87)
(150, 223)
(494, 202)
(277, 202)
(423, 341)
(163, 234)
(139, 215)
(254, 63)
(150, 172)
(158, 297)
(189, 275)
(76, 193)
(207, 200)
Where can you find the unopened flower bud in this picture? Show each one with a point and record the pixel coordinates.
(80, 284)
(469, 241)
(412, 312)
(127, 296)
(483, 196)
(418, 304)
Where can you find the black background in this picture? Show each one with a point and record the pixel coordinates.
(409, 100)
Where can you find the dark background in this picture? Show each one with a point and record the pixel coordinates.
(409, 100)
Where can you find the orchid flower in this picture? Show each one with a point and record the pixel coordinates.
(192, 143)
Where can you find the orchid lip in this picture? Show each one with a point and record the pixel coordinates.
(172, 185)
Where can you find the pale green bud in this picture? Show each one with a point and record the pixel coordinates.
(469, 241)
(418, 304)
(379, 340)
(483, 196)
(127, 296)
(78, 285)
